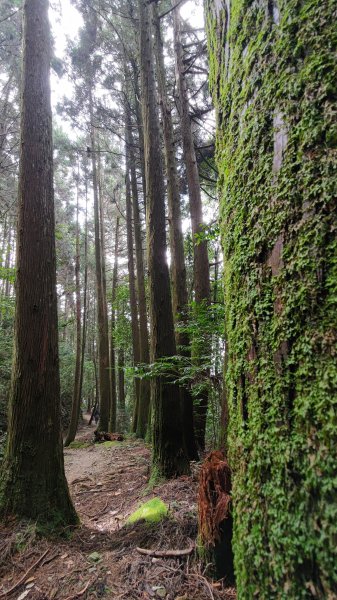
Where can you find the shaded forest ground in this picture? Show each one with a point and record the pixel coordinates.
(100, 560)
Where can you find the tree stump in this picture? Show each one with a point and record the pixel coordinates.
(214, 514)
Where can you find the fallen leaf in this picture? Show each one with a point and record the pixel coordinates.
(23, 595)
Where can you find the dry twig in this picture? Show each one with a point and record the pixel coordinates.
(81, 592)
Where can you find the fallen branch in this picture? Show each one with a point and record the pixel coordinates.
(206, 583)
(95, 491)
(81, 592)
(165, 553)
(24, 577)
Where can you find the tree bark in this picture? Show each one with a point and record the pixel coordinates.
(103, 337)
(132, 289)
(169, 455)
(113, 410)
(85, 292)
(144, 352)
(76, 403)
(201, 265)
(178, 269)
(276, 156)
(33, 482)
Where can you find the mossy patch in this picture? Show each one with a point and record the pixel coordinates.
(152, 511)
(76, 444)
(110, 444)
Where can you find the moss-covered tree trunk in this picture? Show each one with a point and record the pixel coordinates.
(273, 75)
(33, 482)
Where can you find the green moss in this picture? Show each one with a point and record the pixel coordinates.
(279, 234)
(77, 444)
(152, 511)
(110, 444)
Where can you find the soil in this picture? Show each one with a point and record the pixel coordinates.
(100, 558)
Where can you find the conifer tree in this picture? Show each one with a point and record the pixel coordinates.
(32, 481)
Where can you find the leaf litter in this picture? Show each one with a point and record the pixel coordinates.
(101, 558)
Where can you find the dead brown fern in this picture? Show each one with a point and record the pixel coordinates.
(214, 497)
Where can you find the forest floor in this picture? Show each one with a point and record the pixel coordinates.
(100, 559)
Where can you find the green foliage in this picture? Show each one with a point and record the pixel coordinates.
(205, 322)
(67, 369)
(205, 326)
(7, 274)
(280, 256)
(6, 352)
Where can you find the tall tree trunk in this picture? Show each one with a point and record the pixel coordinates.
(121, 387)
(122, 424)
(33, 482)
(277, 165)
(3, 254)
(144, 352)
(8, 258)
(178, 269)
(103, 337)
(113, 411)
(169, 455)
(85, 291)
(132, 289)
(112, 390)
(76, 403)
(139, 120)
(201, 264)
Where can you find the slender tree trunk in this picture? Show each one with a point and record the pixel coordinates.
(33, 482)
(169, 455)
(122, 424)
(132, 289)
(113, 412)
(201, 264)
(85, 286)
(103, 338)
(76, 403)
(8, 258)
(3, 254)
(112, 392)
(178, 269)
(144, 352)
(121, 384)
(140, 128)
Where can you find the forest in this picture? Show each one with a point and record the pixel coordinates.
(168, 299)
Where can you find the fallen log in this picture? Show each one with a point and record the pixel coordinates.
(103, 436)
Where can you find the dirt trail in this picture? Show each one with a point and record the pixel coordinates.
(100, 559)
